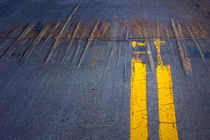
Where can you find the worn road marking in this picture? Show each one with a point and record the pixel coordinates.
(167, 116)
(168, 36)
(149, 52)
(182, 52)
(71, 41)
(37, 40)
(127, 33)
(110, 56)
(139, 52)
(57, 39)
(134, 44)
(18, 42)
(50, 35)
(138, 107)
(196, 43)
(119, 54)
(88, 43)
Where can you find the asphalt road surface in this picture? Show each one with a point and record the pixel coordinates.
(104, 69)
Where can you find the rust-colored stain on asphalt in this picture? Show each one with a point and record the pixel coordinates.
(101, 30)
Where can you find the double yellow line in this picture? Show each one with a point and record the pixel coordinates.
(138, 107)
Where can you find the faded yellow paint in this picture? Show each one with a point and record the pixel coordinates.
(157, 44)
(138, 106)
(134, 44)
(167, 116)
(139, 52)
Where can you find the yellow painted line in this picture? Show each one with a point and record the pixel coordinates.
(134, 44)
(167, 116)
(138, 107)
(139, 52)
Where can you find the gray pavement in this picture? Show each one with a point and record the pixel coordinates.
(89, 95)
